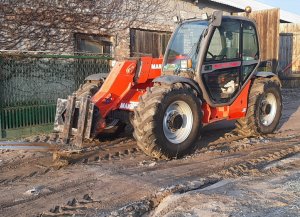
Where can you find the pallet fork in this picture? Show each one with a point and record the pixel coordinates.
(74, 118)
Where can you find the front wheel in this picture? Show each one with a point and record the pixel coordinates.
(264, 108)
(167, 121)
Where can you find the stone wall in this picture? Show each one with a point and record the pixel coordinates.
(50, 26)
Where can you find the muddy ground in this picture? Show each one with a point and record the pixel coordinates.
(227, 176)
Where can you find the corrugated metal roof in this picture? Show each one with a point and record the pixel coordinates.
(256, 6)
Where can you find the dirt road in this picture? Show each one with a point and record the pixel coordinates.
(134, 184)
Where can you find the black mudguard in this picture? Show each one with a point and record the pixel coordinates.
(265, 74)
(172, 79)
(268, 75)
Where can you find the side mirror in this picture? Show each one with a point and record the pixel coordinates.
(216, 18)
(176, 19)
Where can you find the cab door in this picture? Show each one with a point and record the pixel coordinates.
(221, 71)
(250, 50)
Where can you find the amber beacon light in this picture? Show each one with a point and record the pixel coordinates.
(248, 10)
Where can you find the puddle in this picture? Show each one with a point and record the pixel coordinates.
(13, 145)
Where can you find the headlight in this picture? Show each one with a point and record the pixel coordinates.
(186, 64)
(183, 64)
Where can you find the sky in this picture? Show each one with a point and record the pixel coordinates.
(287, 5)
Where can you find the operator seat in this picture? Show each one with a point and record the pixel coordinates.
(229, 53)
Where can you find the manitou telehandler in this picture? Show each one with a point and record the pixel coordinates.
(209, 73)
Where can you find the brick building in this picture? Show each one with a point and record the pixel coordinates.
(60, 26)
(141, 27)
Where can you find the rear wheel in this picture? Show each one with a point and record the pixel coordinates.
(167, 121)
(264, 108)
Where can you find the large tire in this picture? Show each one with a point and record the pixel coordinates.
(167, 121)
(89, 88)
(264, 108)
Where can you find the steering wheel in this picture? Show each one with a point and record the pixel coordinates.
(213, 56)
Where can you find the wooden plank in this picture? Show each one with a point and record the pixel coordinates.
(156, 44)
(289, 27)
(296, 55)
(89, 120)
(290, 53)
(289, 47)
(69, 119)
(148, 42)
(81, 126)
(132, 42)
(284, 57)
(159, 45)
(142, 40)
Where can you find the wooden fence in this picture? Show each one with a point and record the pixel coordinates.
(289, 27)
(289, 55)
(148, 43)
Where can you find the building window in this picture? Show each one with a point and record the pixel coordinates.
(148, 43)
(93, 44)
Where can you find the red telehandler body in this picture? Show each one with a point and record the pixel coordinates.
(209, 73)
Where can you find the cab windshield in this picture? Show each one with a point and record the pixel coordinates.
(184, 47)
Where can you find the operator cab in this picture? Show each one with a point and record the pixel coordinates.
(221, 57)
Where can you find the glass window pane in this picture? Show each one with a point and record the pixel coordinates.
(250, 52)
(93, 44)
(225, 43)
(250, 45)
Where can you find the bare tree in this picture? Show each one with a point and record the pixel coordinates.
(49, 24)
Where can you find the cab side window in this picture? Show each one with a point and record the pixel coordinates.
(250, 44)
(250, 54)
(225, 43)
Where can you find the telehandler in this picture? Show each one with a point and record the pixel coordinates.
(209, 73)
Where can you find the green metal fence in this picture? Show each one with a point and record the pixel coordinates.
(31, 83)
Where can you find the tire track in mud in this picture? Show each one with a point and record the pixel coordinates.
(232, 156)
(77, 207)
(256, 166)
(62, 188)
(17, 178)
(21, 170)
(134, 208)
(246, 168)
(225, 146)
(237, 143)
(212, 152)
(100, 151)
(15, 161)
(119, 150)
(33, 165)
(98, 154)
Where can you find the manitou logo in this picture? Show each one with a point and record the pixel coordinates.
(129, 106)
(155, 66)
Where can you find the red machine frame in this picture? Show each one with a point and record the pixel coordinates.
(128, 81)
